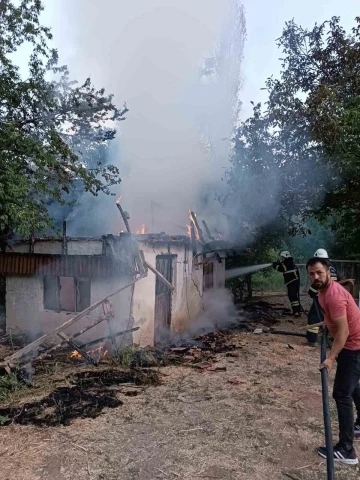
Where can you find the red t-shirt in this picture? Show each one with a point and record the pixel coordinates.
(337, 302)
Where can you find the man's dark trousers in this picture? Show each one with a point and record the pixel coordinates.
(347, 390)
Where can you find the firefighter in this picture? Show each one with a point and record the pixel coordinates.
(315, 314)
(291, 279)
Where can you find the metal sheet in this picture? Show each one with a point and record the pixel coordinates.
(58, 265)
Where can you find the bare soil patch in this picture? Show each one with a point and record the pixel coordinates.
(261, 418)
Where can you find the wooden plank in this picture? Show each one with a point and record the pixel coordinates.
(160, 276)
(196, 223)
(76, 347)
(208, 231)
(124, 216)
(39, 341)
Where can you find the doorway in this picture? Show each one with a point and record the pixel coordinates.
(162, 320)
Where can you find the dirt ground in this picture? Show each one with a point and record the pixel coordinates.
(260, 419)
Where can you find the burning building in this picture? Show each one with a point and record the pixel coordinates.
(151, 284)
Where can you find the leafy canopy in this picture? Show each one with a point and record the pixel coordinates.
(300, 154)
(47, 123)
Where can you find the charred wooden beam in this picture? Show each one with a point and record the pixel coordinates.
(124, 215)
(64, 240)
(102, 339)
(32, 243)
(208, 231)
(58, 345)
(85, 329)
(197, 226)
(76, 347)
(193, 239)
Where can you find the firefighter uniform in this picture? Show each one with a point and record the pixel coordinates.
(315, 314)
(292, 281)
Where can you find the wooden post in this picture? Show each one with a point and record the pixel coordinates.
(193, 238)
(64, 240)
(32, 243)
(208, 231)
(124, 216)
(197, 226)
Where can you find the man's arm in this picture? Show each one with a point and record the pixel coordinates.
(342, 333)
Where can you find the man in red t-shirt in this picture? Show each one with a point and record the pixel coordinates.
(342, 317)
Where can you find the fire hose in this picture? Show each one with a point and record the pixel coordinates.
(326, 404)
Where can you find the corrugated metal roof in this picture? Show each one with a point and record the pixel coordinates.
(58, 265)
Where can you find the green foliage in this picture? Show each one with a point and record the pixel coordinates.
(268, 280)
(299, 158)
(303, 248)
(9, 384)
(4, 419)
(321, 78)
(47, 123)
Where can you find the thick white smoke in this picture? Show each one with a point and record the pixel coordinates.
(177, 65)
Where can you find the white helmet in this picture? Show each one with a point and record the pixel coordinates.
(285, 254)
(321, 253)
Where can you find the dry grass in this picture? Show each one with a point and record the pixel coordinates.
(260, 419)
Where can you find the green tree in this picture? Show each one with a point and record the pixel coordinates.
(320, 87)
(48, 123)
(308, 135)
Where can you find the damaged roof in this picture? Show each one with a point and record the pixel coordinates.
(59, 265)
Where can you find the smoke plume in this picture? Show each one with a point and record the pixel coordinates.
(178, 67)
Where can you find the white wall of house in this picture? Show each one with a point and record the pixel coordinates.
(25, 311)
(83, 246)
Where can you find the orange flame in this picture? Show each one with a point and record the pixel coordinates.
(142, 230)
(197, 236)
(95, 352)
(75, 354)
(118, 200)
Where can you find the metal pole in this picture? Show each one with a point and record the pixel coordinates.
(326, 410)
(326, 404)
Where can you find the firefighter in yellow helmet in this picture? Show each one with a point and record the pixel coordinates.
(291, 275)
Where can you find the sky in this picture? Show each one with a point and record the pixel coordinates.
(148, 53)
(264, 23)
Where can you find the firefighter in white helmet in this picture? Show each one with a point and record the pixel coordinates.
(292, 280)
(315, 315)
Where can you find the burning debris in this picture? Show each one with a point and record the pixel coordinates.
(97, 353)
(66, 346)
